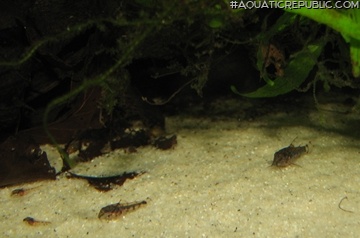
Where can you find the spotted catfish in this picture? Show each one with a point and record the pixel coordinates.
(118, 210)
(286, 156)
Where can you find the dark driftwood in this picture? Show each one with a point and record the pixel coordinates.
(23, 161)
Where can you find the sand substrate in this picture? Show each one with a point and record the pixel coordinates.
(217, 182)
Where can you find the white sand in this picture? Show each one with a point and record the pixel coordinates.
(216, 183)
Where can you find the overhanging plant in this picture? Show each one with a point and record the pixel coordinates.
(302, 62)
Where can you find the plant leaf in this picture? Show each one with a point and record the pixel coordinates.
(295, 73)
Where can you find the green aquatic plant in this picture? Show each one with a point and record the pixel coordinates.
(347, 23)
(296, 71)
(295, 74)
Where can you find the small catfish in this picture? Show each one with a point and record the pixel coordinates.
(114, 211)
(286, 156)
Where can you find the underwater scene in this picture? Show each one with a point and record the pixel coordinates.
(183, 119)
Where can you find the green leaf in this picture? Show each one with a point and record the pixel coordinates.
(284, 21)
(355, 57)
(216, 22)
(330, 17)
(295, 73)
(354, 14)
(346, 22)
